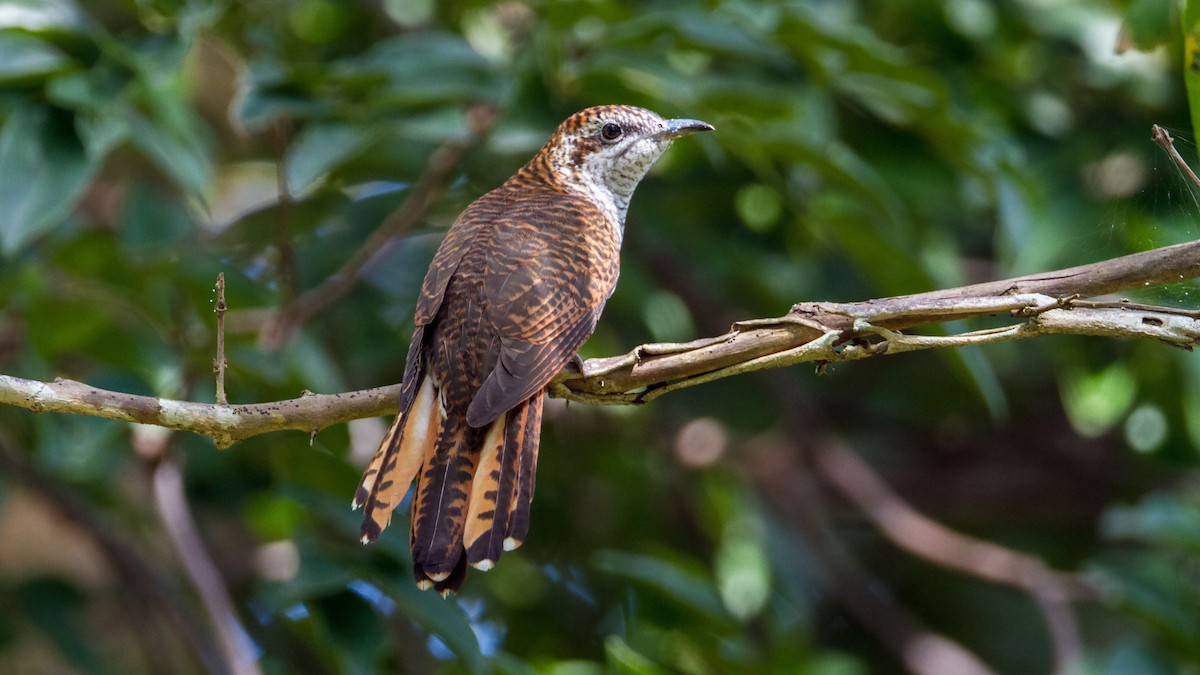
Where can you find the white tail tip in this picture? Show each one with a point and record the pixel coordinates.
(511, 544)
(484, 565)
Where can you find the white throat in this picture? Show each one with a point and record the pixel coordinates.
(608, 179)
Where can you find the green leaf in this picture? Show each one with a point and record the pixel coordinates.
(271, 516)
(102, 116)
(24, 58)
(442, 618)
(668, 317)
(1150, 587)
(255, 229)
(1135, 655)
(759, 206)
(357, 636)
(1146, 428)
(743, 575)
(54, 607)
(1148, 23)
(43, 170)
(689, 588)
(1191, 60)
(268, 95)
(79, 448)
(1191, 16)
(319, 149)
(717, 34)
(154, 224)
(1095, 402)
(43, 16)
(978, 370)
(1160, 518)
(625, 660)
(183, 159)
(410, 77)
(879, 252)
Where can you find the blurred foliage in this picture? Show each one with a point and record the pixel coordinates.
(864, 149)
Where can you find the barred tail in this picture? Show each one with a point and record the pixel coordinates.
(440, 505)
(389, 474)
(497, 483)
(476, 485)
(473, 502)
(518, 518)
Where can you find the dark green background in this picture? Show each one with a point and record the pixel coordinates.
(863, 149)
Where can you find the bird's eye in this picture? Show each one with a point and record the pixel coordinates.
(611, 131)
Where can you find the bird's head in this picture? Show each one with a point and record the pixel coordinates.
(610, 148)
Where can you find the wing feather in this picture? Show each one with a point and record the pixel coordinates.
(545, 287)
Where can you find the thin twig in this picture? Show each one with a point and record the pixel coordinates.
(170, 500)
(1135, 307)
(1163, 138)
(438, 172)
(219, 363)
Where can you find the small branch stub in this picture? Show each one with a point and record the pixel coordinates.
(219, 363)
(1163, 138)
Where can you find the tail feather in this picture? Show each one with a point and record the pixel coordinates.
(399, 457)
(440, 507)
(446, 586)
(424, 583)
(475, 486)
(491, 492)
(367, 484)
(496, 487)
(452, 583)
(530, 435)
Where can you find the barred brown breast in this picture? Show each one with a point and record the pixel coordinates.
(512, 293)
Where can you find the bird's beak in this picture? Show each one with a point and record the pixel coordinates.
(677, 128)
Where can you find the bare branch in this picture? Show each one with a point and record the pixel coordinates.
(171, 503)
(923, 537)
(786, 482)
(650, 371)
(818, 332)
(1141, 270)
(226, 425)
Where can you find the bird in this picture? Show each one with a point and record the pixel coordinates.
(514, 289)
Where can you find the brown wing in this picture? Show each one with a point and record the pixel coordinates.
(445, 263)
(545, 288)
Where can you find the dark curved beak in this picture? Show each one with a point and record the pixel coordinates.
(677, 128)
